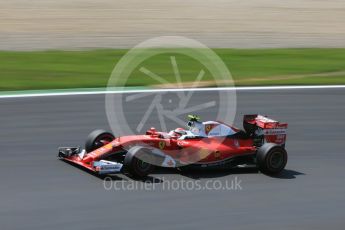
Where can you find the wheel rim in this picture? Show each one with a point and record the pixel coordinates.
(142, 165)
(276, 160)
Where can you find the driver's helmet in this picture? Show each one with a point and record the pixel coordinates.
(198, 129)
(178, 132)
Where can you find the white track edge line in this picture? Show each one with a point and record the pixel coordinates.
(76, 93)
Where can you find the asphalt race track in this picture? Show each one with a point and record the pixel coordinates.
(40, 192)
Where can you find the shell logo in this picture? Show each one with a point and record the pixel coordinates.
(217, 154)
(203, 153)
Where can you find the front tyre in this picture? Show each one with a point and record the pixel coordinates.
(271, 158)
(137, 163)
(97, 139)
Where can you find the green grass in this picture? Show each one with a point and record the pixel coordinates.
(79, 69)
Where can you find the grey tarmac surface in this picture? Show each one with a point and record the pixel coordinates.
(40, 192)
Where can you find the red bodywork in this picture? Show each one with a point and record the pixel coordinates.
(196, 151)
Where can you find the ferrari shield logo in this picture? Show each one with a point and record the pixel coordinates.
(161, 144)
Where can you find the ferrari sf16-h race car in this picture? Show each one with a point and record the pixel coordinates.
(207, 144)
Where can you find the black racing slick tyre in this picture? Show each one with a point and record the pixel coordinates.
(271, 158)
(97, 139)
(137, 163)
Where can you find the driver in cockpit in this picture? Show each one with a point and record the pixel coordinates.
(198, 129)
(195, 126)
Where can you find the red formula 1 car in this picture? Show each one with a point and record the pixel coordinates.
(204, 145)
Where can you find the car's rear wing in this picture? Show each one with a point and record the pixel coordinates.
(269, 130)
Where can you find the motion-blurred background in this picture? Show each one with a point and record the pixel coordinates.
(52, 24)
(41, 25)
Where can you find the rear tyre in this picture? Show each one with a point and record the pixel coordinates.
(271, 158)
(137, 163)
(97, 139)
